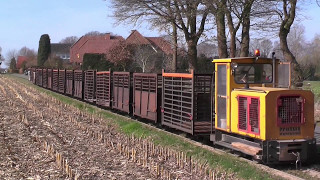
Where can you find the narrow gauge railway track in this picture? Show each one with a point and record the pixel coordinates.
(266, 168)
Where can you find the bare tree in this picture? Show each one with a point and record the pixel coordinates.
(187, 16)
(69, 40)
(121, 55)
(207, 49)
(30, 54)
(308, 57)
(277, 50)
(287, 16)
(25, 51)
(93, 33)
(11, 54)
(239, 15)
(266, 47)
(13, 64)
(145, 57)
(218, 9)
(182, 14)
(296, 41)
(234, 22)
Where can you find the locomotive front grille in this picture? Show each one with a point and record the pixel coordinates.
(290, 131)
(290, 111)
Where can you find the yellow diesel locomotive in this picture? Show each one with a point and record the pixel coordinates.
(256, 112)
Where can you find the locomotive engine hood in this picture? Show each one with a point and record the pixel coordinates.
(282, 113)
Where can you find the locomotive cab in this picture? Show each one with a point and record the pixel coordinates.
(257, 113)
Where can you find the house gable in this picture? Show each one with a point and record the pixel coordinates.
(100, 44)
(157, 43)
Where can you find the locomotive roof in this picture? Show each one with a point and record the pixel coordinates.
(243, 60)
(269, 89)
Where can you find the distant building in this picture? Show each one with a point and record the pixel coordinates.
(156, 43)
(61, 50)
(98, 44)
(20, 61)
(151, 54)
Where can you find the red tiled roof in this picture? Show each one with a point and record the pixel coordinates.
(158, 42)
(20, 60)
(100, 44)
(161, 43)
(136, 38)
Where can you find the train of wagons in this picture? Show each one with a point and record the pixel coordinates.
(245, 104)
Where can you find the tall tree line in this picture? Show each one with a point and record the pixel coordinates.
(231, 21)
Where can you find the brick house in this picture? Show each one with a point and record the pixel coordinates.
(99, 44)
(151, 54)
(157, 43)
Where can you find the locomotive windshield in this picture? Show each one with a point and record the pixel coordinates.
(253, 73)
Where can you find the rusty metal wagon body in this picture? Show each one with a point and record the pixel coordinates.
(103, 88)
(89, 86)
(187, 102)
(45, 78)
(62, 81)
(69, 82)
(147, 96)
(122, 92)
(55, 80)
(78, 84)
(39, 76)
(49, 75)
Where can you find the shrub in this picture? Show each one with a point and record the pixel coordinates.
(97, 62)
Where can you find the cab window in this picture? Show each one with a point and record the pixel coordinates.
(253, 73)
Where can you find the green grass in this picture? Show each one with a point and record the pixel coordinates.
(223, 162)
(314, 86)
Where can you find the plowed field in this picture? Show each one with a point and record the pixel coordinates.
(42, 138)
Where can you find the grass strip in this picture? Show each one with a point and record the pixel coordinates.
(223, 162)
(313, 86)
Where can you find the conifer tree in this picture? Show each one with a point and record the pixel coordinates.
(13, 63)
(44, 49)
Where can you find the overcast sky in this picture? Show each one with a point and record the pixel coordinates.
(24, 21)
